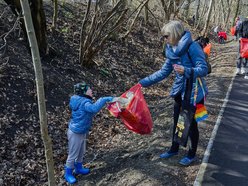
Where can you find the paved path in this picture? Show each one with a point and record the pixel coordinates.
(227, 160)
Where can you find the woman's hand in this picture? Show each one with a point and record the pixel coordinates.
(179, 68)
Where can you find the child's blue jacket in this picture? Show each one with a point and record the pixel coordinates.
(83, 110)
(191, 56)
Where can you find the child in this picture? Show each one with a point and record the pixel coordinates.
(83, 110)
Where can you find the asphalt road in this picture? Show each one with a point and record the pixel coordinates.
(228, 161)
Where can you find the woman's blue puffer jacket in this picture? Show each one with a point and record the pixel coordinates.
(190, 55)
(83, 110)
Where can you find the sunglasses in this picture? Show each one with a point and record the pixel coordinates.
(165, 36)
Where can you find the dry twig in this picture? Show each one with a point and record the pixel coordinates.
(4, 36)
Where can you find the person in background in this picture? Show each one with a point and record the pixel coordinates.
(242, 32)
(221, 34)
(193, 19)
(203, 40)
(186, 59)
(237, 27)
(83, 109)
(216, 29)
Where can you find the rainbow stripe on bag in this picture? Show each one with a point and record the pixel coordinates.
(201, 112)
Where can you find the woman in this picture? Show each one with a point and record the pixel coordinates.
(187, 60)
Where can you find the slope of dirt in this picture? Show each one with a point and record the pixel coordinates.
(115, 155)
(136, 161)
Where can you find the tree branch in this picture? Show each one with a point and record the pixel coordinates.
(4, 36)
(131, 26)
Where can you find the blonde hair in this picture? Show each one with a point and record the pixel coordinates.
(175, 30)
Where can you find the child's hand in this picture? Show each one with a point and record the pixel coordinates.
(179, 68)
(109, 98)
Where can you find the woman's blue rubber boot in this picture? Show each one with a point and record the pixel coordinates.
(186, 161)
(168, 154)
(79, 169)
(69, 176)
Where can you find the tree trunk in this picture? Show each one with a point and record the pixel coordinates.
(228, 13)
(200, 18)
(82, 35)
(223, 13)
(185, 7)
(236, 11)
(219, 12)
(205, 29)
(135, 18)
(39, 21)
(97, 27)
(166, 13)
(196, 14)
(214, 14)
(146, 13)
(40, 91)
(55, 14)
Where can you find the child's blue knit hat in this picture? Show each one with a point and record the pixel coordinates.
(81, 88)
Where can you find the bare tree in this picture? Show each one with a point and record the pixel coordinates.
(146, 12)
(55, 14)
(228, 3)
(218, 13)
(203, 12)
(185, 8)
(168, 9)
(136, 16)
(197, 6)
(205, 29)
(236, 10)
(40, 91)
(172, 8)
(39, 21)
(98, 25)
(214, 14)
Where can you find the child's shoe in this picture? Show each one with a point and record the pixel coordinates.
(79, 169)
(69, 176)
(238, 71)
(168, 154)
(185, 161)
(243, 70)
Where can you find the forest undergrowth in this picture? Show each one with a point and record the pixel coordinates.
(115, 155)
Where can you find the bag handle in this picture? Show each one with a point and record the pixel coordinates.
(188, 90)
(196, 90)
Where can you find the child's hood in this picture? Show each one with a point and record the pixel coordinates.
(76, 101)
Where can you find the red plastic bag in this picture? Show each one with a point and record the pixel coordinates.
(233, 30)
(244, 47)
(135, 114)
(222, 34)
